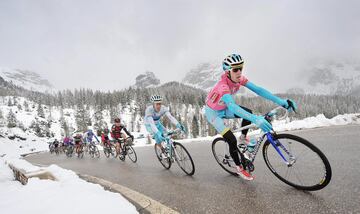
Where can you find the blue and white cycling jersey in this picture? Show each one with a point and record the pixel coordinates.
(152, 119)
(88, 137)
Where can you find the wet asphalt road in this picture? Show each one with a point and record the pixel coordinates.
(212, 190)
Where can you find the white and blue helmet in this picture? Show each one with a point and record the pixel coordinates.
(156, 98)
(232, 61)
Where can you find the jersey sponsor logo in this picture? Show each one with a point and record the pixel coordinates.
(214, 97)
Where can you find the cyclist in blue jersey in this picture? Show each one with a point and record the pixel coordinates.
(89, 135)
(153, 114)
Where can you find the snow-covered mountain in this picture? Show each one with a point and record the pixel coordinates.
(148, 79)
(27, 79)
(329, 77)
(204, 76)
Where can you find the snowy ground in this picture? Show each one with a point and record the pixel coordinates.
(68, 194)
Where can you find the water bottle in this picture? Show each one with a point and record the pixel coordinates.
(252, 144)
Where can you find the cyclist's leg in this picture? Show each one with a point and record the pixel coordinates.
(215, 118)
(244, 121)
(117, 147)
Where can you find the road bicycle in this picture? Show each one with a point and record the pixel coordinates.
(292, 159)
(93, 150)
(126, 149)
(109, 149)
(174, 151)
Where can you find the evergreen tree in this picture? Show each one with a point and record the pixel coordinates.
(26, 106)
(195, 127)
(11, 119)
(40, 111)
(19, 106)
(99, 123)
(81, 118)
(65, 126)
(9, 102)
(35, 126)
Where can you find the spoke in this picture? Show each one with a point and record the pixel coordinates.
(297, 176)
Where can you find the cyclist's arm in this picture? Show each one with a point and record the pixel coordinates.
(149, 120)
(236, 109)
(96, 138)
(127, 132)
(264, 93)
(171, 118)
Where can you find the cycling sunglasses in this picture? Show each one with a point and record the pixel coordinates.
(235, 70)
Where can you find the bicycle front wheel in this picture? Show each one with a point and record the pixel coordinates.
(183, 159)
(97, 152)
(307, 167)
(131, 153)
(165, 162)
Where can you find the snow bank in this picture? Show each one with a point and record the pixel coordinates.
(69, 194)
(318, 121)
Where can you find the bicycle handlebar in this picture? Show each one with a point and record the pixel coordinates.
(172, 132)
(270, 114)
(275, 112)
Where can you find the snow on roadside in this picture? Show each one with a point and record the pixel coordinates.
(69, 194)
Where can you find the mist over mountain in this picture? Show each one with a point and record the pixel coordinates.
(26, 79)
(329, 77)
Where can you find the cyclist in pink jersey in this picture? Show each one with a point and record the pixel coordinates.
(220, 104)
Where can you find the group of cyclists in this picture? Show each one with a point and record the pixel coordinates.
(80, 141)
(220, 105)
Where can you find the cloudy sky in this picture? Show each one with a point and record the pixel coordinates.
(106, 44)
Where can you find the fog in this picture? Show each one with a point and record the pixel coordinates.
(106, 44)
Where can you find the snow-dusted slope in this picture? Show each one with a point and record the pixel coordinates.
(27, 79)
(330, 77)
(203, 76)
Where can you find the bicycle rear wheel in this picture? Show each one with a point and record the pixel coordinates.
(97, 152)
(220, 149)
(106, 151)
(165, 162)
(308, 167)
(131, 153)
(183, 159)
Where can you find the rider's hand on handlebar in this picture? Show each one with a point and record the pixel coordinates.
(159, 137)
(263, 124)
(181, 127)
(290, 105)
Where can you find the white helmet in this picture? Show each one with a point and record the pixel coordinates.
(156, 99)
(232, 61)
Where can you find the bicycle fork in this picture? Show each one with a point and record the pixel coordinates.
(276, 144)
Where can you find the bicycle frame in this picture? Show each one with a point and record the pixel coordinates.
(269, 137)
(169, 142)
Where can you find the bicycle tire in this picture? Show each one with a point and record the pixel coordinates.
(183, 168)
(166, 163)
(312, 169)
(221, 158)
(131, 153)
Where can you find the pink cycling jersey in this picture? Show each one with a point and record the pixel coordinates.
(224, 86)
